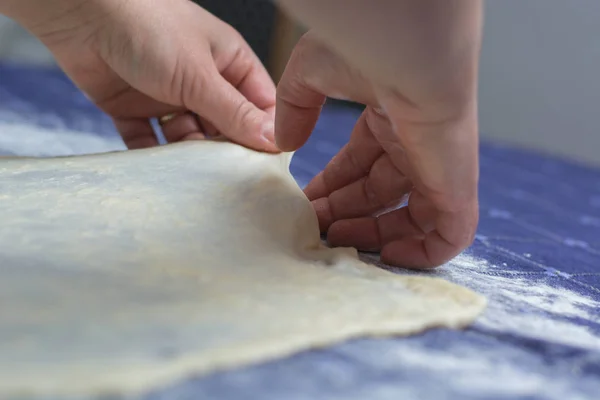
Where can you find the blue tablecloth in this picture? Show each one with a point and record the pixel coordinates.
(536, 257)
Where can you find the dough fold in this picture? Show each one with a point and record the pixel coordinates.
(124, 272)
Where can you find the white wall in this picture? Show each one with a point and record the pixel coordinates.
(540, 75)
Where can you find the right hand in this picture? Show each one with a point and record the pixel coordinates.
(405, 143)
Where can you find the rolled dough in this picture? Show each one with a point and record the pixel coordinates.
(124, 272)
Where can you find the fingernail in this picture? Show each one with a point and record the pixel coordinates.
(268, 132)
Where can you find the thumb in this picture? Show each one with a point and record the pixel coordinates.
(296, 113)
(232, 114)
(298, 105)
(313, 73)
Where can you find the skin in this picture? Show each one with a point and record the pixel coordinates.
(143, 59)
(412, 63)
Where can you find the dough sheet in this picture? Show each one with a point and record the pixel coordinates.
(124, 272)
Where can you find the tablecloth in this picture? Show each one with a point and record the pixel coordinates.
(536, 257)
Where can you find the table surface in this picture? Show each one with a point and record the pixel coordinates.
(536, 257)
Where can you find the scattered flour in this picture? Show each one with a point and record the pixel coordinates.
(27, 140)
(532, 306)
(528, 306)
(461, 369)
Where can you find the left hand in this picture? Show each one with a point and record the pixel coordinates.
(143, 59)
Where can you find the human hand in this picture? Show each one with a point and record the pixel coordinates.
(143, 59)
(426, 150)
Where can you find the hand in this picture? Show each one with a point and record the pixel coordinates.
(143, 59)
(426, 151)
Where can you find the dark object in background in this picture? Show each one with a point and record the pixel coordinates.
(258, 21)
(254, 19)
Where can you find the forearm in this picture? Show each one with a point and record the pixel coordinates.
(403, 43)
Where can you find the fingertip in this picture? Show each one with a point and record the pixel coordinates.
(267, 137)
(283, 143)
(255, 131)
(268, 130)
(294, 124)
(291, 137)
(233, 115)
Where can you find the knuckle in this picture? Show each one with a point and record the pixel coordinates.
(193, 86)
(378, 122)
(372, 196)
(458, 202)
(354, 162)
(243, 118)
(291, 90)
(457, 241)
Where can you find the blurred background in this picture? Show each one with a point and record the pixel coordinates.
(539, 84)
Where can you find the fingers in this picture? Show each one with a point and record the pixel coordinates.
(231, 114)
(207, 128)
(235, 96)
(454, 232)
(182, 127)
(137, 133)
(382, 188)
(417, 236)
(361, 179)
(248, 75)
(135, 128)
(354, 160)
